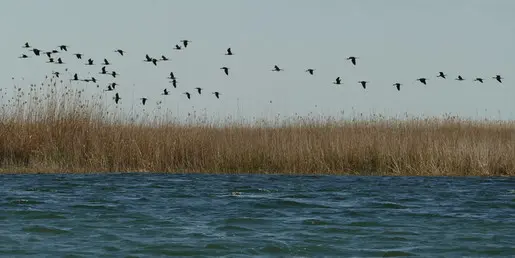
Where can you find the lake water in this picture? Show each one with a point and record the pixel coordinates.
(139, 215)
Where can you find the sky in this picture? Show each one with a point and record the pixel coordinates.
(396, 41)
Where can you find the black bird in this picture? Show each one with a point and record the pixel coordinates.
(49, 54)
(310, 71)
(165, 92)
(148, 58)
(59, 61)
(113, 85)
(114, 74)
(56, 74)
(106, 62)
(50, 60)
(479, 80)
(226, 70)
(177, 47)
(398, 86)
(164, 58)
(104, 71)
(338, 81)
(36, 51)
(116, 98)
(143, 101)
(23, 56)
(498, 78)
(187, 95)
(442, 75)
(63, 47)
(109, 88)
(217, 94)
(75, 77)
(154, 61)
(119, 51)
(185, 42)
(174, 83)
(90, 62)
(277, 69)
(459, 78)
(229, 52)
(78, 55)
(26, 45)
(199, 90)
(55, 51)
(422, 80)
(352, 59)
(172, 76)
(363, 84)
(90, 80)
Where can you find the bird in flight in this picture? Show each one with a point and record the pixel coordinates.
(143, 101)
(442, 75)
(177, 47)
(36, 51)
(498, 78)
(217, 94)
(78, 55)
(337, 81)
(23, 56)
(56, 74)
(277, 69)
(479, 80)
(187, 95)
(172, 76)
(459, 78)
(363, 84)
(63, 47)
(185, 42)
(398, 86)
(116, 98)
(90, 62)
(422, 80)
(226, 70)
(199, 90)
(103, 70)
(352, 59)
(119, 51)
(310, 71)
(106, 62)
(229, 52)
(26, 45)
(165, 92)
(174, 83)
(164, 58)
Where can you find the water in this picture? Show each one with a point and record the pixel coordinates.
(255, 215)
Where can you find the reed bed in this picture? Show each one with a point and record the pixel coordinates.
(62, 133)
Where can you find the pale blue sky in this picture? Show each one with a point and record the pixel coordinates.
(397, 40)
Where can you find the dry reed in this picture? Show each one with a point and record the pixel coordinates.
(63, 133)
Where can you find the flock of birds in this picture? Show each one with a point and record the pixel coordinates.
(53, 58)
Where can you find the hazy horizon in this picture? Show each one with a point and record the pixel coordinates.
(396, 41)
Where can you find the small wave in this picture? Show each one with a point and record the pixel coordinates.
(232, 228)
(45, 230)
(288, 204)
(316, 222)
(397, 254)
(24, 202)
(365, 224)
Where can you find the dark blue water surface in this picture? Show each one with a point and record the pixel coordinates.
(141, 215)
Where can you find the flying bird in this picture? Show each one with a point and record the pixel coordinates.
(49, 54)
(459, 78)
(78, 55)
(116, 98)
(143, 101)
(310, 71)
(338, 81)
(103, 70)
(63, 47)
(50, 60)
(148, 58)
(498, 78)
(59, 61)
(26, 45)
(352, 59)
(90, 62)
(187, 95)
(174, 83)
(422, 80)
(229, 52)
(23, 56)
(165, 92)
(164, 58)
(479, 80)
(177, 47)
(217, 94)
(185, 42)
(36, 51)
(226, 70)
(398, 86)
(119, 51)
(154, 61)
(442, 75)
(75, 77)
(114, 74)
(56, 74)
(106, 62)
(199, 90)
(277, 69)
(172, 76)
(363, 84)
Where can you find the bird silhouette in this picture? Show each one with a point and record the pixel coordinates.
(164, 58)
(113, 85)
(148, 58)
(217, 94)
(49, 54)
(337, 81)
(498, 78)
(185, 42)
(63, 47)
(442, 75)
(172, 76)
(90, 62)
(277, 69)
(199, 90)
(60, 61)
(23, 56)
(117, 98)
(229, 52)
(459, 78)
(106, 62)
(398, 86)
(310, 71)
(36, 51)
(177, 47)
(154, 61)
(114, 74)
(187, 95)
(165, 92)
(103, 70)
(352, 59)
(143, 101)
(109, 88)
(363, 84)
(75, 77)
(422, 80)
(50, 60)
(26, 45)
(226, 70)
(56, 74)
(174, 83)
(78, 55)
(119, 51)
(479, 80)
